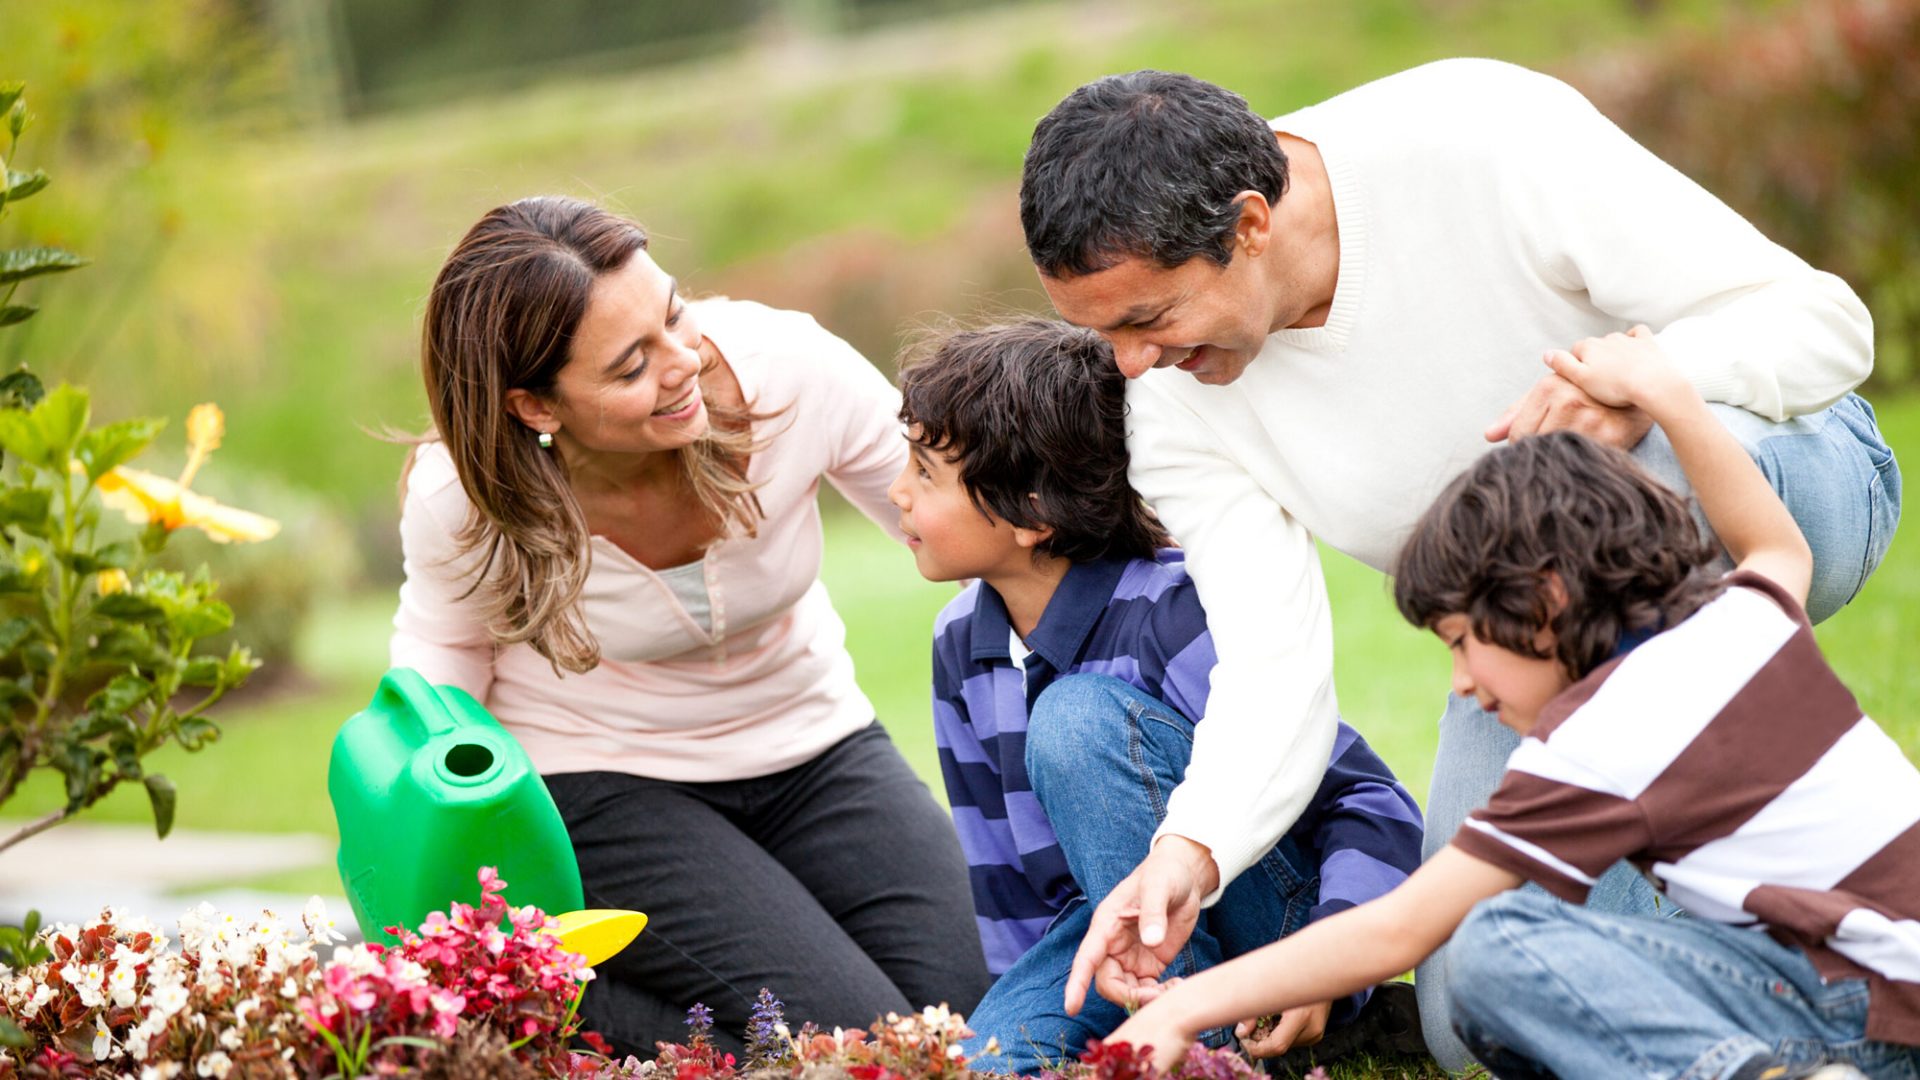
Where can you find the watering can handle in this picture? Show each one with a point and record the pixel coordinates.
(404, 691)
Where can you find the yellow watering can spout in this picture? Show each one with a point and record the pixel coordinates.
(598, 933)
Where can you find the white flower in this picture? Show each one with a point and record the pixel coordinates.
(41, 995)
(168, 998)
(106, 919)
(124, 985)
(215, 1065)
(955, 1052)
(231, 1038)
(289, 988)
(126, 955)
(320, 925)
(166, 1070)
(102, 1039)
(92, 985)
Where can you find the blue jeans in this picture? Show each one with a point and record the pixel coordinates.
(1545, 989)
(1841, 483)
(1103, 757)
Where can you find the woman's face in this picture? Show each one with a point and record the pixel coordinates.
(631, 384)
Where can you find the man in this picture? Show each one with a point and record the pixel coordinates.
(1357, 298)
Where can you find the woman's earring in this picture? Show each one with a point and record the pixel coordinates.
(546, 440)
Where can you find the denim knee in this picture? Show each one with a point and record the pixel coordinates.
(1482, 954)
(1073, 713)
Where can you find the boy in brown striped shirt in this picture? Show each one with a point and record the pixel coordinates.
(1673, 717)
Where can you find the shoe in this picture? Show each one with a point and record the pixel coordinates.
(1388, 1025)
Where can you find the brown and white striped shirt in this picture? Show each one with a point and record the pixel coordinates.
(1726, 760)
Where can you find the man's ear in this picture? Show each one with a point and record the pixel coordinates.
(1254, 231)
(533, 411)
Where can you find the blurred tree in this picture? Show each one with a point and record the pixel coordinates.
(1808, 122)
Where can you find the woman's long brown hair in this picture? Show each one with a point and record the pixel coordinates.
(501, 316)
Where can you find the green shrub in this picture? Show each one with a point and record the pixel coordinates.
(1806, 124)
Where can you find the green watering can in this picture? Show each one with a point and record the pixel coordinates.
(428, 787)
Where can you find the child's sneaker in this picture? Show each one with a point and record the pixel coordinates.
(1388, 1025)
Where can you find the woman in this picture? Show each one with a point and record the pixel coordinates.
(612, 539)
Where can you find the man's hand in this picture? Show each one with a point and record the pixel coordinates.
(1554, 404)
(1143, 923)
(1302, 1026)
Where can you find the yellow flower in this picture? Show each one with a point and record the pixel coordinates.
(145, 498)
(112, 581)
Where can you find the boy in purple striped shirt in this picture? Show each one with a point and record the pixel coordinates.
(1067, 681)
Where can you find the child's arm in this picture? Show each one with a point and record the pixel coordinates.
(1367, 831)
(1750, 520)
(1331, 958)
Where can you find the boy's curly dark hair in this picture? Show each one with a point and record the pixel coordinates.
(1033, 413)
(1625, 547)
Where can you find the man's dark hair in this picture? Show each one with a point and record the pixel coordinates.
(1147, 164)
(1033, 414)
(1625, 547)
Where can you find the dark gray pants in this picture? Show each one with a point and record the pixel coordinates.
(837, 884)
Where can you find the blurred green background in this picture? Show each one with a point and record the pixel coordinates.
(267, 186)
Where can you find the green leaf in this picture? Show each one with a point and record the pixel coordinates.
(11, 694)
(202, 671)
(126, 753)
(12, 1037)
(195, 732)
(10, 92)
(61, 418)
(20, 437)
(127, 643)
(129, 606)
(16, 313)
(13, 632)
(121, 695)
(115, 444)
(202, 620)
(81, 765)
(161, 793)
(15, 580)
(22, 185)
(115, 556)
(17, 118)
(19, 264)
(92, 724)
(21, 389)
(28, 508)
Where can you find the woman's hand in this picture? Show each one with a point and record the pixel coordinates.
(1301, 1026)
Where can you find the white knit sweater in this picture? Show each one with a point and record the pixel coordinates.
(1485, 213)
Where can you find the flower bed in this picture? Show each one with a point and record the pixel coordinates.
(477, 992)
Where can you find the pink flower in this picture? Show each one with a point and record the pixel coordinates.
(490, 882)
(351, 992)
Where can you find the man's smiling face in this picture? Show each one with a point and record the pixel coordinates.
(1206, 319)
